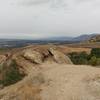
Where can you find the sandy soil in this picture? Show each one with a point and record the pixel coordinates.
(56, 82)
(70, 82)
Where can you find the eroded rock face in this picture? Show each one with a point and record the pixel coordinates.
(33, 56)
(38, 57)
(59, 56)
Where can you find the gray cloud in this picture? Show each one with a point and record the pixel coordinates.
(50, 3)
(34, 2)
(38, 18)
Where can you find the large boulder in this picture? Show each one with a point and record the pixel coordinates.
(59, 57)
(33, 56)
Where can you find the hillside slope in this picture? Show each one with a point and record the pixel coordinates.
(56, 82)
(49, 75)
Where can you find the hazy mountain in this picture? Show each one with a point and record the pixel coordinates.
(83, 37)
(95, 38)
(80, 38)
(64, 38)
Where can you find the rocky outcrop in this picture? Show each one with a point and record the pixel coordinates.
(60, 57)
(53, 53)
(33, 56)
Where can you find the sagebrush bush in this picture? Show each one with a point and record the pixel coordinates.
(83, 58)
(95, 52)
(11, 75)
(79, 58)
(93, 60)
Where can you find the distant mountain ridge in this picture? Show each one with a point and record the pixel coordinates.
(54, 40)
(63, 38)
(95, 38)
(80, 38)
(84, 37)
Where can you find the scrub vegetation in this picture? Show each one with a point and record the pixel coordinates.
(83, 58)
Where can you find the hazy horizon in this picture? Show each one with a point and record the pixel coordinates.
(29, 37)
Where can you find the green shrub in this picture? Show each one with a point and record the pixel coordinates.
(79, 58)
(92, 61)
(12, 75)
(83, 58)
(98, 61)
(95, 52)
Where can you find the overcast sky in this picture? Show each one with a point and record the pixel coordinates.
(43, 18)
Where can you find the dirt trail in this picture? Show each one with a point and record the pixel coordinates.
(70, 82)
(56, 82)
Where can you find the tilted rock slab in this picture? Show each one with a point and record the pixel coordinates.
(60, 57)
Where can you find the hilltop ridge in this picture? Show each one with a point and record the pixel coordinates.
(45, 72)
